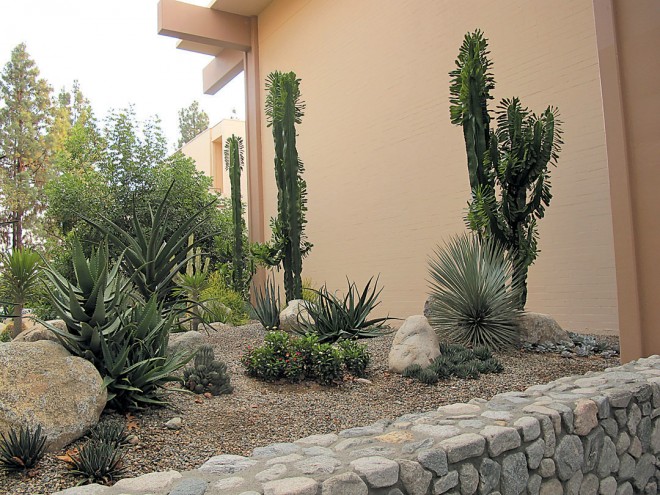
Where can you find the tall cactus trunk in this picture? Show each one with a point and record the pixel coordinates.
(284, 111)
(234, 163)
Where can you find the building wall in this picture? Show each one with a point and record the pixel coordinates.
(386, 171)
(207, 149)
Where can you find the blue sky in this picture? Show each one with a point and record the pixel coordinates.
(112, 49)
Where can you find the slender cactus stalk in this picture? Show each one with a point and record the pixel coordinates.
(234, 153)
(284, 110)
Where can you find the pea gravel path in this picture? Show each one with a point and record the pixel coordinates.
(258, 414)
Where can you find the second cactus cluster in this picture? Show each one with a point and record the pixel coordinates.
(207, 374)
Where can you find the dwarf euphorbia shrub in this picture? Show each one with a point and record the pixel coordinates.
(283, 357)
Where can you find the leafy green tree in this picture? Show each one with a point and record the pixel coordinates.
(25, 117)
(102, 174)
(508, 168)
(192, 121)
(284, 110)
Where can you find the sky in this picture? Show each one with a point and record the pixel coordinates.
(113, 50)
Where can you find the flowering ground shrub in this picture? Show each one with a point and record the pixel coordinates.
(295, 359)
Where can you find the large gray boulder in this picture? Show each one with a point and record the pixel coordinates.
(414, 343)
(41, 383)
(292, 314)
(184, 342)
(537, 328)
(36, 331)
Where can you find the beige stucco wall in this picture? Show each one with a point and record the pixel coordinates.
(207, 149)
(386, 171)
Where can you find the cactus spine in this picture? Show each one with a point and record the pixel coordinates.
(513, 160)
(234, 153)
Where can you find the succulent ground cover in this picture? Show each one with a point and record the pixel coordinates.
(258, 413)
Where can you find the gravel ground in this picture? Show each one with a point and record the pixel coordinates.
(258, 414)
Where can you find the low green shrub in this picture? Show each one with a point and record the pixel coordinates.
(356, 357)
(21, 450)
(222, 304)
(327, 362)
(283, 357)
(456, 361)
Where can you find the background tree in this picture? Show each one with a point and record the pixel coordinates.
(284, 109)
(25, 116)
(102, 173)
(192, 121)
(508, 168)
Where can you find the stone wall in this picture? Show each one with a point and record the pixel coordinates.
(592, 434)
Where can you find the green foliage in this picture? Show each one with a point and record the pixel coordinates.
(220, 303)
(284, 109)
(297, 359)
(98, 461)
(20, 273)
(22, 450)
(333, 318)
(474, 296)
(110, 432)
(192, 121)
(327, 364)
(5, 335)
(412, 371)
(267, 304)
(309, 294)
(512, 161)
(125, 163)
(427, 376)
(234, 159)
(356, 357)
(25, 117)
(456, 361)
(124, 337)
(191, 284)
(152, 255)
(207, 374)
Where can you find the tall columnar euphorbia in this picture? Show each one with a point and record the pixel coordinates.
(508, 168)
(284, 109)
(234, 163)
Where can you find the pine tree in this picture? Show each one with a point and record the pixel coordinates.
(25, 116)
(192, 121)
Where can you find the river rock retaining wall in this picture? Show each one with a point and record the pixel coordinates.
(592, 434)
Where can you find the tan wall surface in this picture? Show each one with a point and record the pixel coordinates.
(207, 149)
(386, 172)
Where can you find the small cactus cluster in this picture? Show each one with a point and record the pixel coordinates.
(207, 374)
(455, 360)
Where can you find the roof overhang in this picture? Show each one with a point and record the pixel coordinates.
(242, 7)
(223, 30)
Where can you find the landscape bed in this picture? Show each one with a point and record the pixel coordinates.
(258, 414)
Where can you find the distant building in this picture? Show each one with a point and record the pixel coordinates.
(208, 151)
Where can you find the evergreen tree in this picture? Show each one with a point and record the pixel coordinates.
(192, 121)
(25, 116)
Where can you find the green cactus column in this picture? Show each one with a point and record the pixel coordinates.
(284, 110)
(234, 153)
